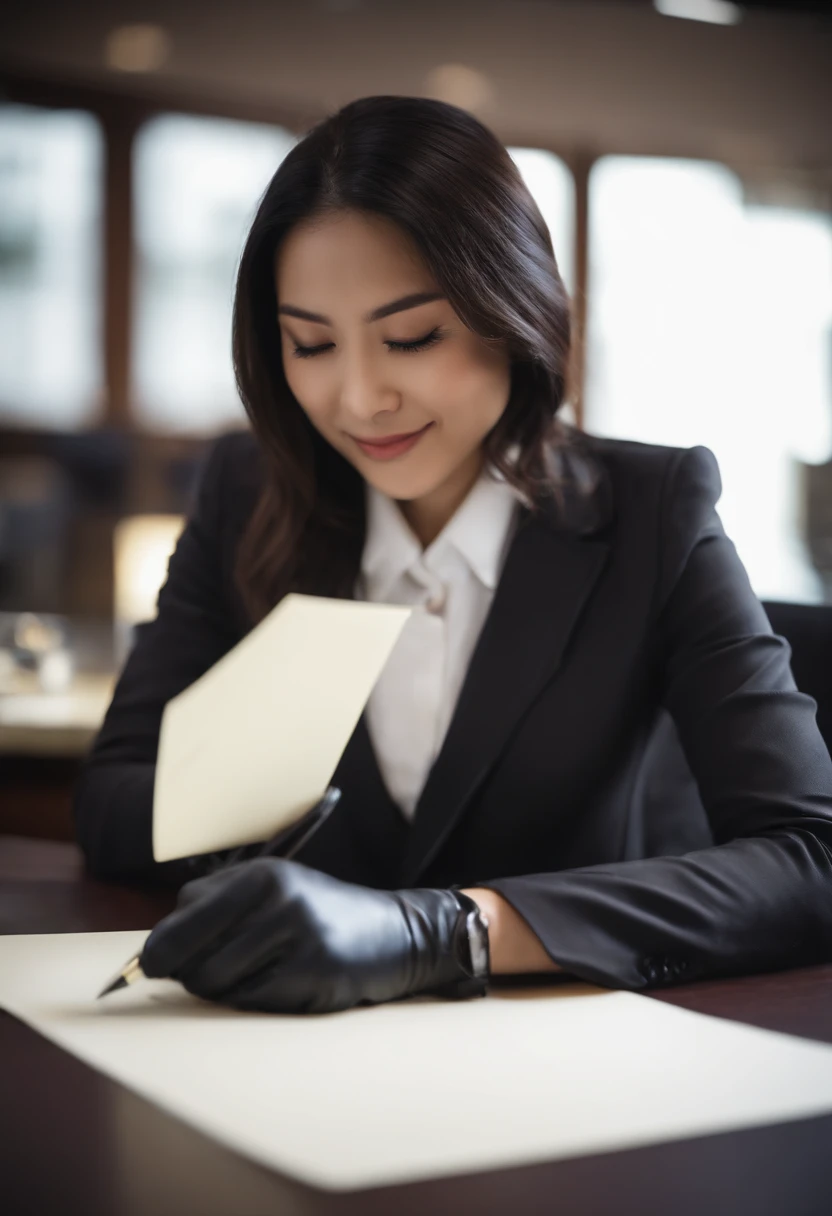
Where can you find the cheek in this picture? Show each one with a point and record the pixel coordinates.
(309, 388)
(474, 388)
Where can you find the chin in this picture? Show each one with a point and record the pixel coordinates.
(401, 484)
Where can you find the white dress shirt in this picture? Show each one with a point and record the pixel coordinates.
(452, 584)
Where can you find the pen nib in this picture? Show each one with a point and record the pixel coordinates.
(131, 972)
(118, 982)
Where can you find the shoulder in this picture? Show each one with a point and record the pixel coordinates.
(231, 476)
(653, 504)
(234, 455)
(629, 461)
(627, 482)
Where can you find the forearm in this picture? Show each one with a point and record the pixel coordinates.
(749, 905)
(513, 946)
(113, 812)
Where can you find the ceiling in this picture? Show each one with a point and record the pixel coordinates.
(607, 74)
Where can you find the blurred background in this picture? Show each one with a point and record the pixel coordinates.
(680, 152)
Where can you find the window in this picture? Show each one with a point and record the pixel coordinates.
(710, 320)
(197, 185)
(552, 187)
(51, 354)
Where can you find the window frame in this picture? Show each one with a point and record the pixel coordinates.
(121, 116)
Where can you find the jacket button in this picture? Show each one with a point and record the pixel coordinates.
(648, 970)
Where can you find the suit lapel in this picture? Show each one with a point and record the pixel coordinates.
(548, 577)
(547, 580)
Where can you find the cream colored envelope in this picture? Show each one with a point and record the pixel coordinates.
(251, 745)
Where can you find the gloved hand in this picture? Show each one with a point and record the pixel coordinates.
(275, 935)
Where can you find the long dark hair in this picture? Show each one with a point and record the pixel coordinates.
(452, 186)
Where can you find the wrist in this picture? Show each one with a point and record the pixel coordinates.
(514, 947)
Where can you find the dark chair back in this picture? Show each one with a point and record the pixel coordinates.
(808, 630)
(673, 820)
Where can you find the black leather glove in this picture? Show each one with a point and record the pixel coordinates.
(275, 935)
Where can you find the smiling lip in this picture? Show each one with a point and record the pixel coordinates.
(393, 445)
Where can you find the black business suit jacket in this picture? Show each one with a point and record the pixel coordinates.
(623, 617)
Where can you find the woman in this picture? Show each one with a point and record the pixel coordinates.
(401, 338)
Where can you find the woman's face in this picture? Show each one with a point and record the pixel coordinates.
(348, 292)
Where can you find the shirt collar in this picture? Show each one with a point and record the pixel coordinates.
(478, 531)
(390, 546)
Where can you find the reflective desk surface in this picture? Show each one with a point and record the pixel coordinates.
(74, 1142)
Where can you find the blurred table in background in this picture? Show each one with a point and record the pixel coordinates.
(37, 723)
(45, 735)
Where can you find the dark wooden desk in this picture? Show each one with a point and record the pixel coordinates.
(75, 1143)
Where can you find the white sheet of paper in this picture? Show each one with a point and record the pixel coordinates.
(251, 745)
(371, 1096)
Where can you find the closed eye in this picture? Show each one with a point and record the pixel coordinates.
(435, 335)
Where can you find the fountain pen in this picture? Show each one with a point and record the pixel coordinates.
(285, 844)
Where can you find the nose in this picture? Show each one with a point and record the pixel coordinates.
(365, 390)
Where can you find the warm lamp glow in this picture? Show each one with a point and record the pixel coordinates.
(143, 545)
(137, 48)
(459, 85)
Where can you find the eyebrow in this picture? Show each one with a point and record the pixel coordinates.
(386, 310)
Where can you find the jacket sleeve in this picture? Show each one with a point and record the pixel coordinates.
(761, 897)
(113, 799)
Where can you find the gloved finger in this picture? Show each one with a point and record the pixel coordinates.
(254, 943)
(188, 932)
(208, 884)
(289, 988)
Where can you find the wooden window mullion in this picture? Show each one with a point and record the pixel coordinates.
(120, 127)
(581, 166)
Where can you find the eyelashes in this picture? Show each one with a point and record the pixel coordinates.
(435, 335)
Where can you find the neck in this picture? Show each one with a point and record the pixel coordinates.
(427, 516)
